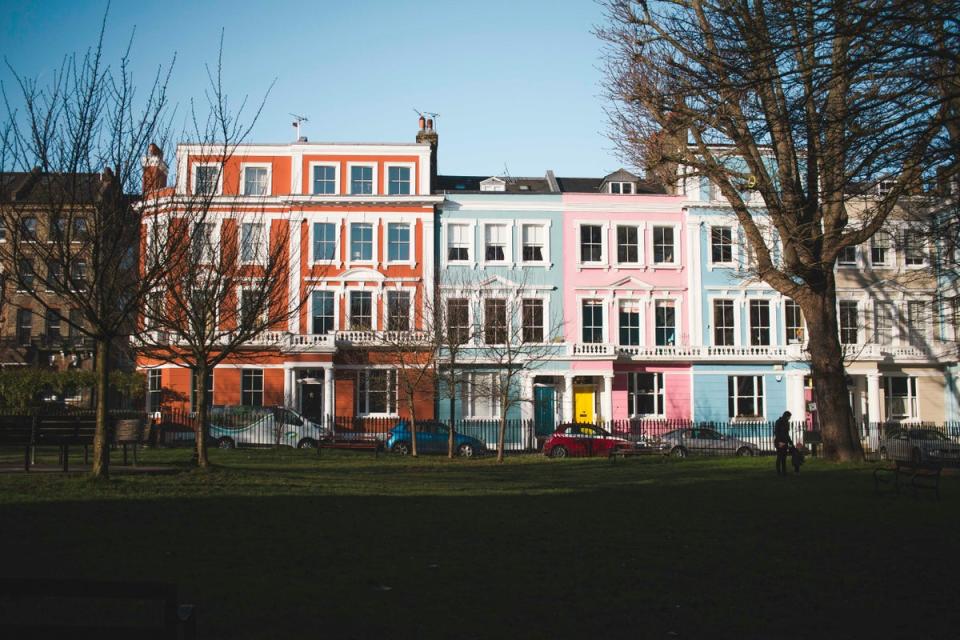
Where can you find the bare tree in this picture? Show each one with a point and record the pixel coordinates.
(81, 136)
(806, 101)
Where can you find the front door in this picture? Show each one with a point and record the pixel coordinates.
(583, 403)
(311, 401)
(543, 413)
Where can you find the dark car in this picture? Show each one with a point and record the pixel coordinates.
(582, 439)
(432, 437)
(919, 446)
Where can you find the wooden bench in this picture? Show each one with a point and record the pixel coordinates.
(352, 444)
(18, 434)
(35, 613)
(920, 477)
(623, 453)
(66, 431)
(128, 432)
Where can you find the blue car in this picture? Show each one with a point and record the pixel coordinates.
(432, 437)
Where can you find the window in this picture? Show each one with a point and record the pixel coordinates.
(495, 321)
(322, 311)
(251, 388)
(532, 319)
(78, 275)
(398, 181)
(398, 310)
(880, 247)
(849, 322)
(28, 228)
(251, 242)
(24, 326)
(495, 242)
(398, 242)
(793, 319)
(54, 276)
(154, 390)
(361, 241)
(253, 308)
(724, 327)
(591, 243)
(533, 236)
(26, 275)
(628, 245)
(361, 180)
(53, 324)
(361, 310)
(721, 245)
(759, 322)
(592, 321)
(915, 256)
(481, 397)
(883, 323)
(745, 396)
(624, 188)
(663, 245)
(76, 322)
(255, 181)
(645, 395)
(458, 320)
(206, 179)
(917, 321)
(665, 323)
(194, 390)
(458, 242)
(324, 180)
(847, 256)
(202, 243)
(376, 392)
(901, 398)
(630, 323)
(324, 241)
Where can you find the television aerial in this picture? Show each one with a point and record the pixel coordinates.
(297, 121)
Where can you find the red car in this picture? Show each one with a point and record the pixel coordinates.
(582, 439)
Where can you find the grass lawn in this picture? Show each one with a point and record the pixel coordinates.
(281, 544)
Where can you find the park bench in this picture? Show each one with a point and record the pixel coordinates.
(128, 432)
(919, 477)
(64, 431)
(84, 609)
(352, 444)
(18, 432)
(623, 453)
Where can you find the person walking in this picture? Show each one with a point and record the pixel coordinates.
(782, 441)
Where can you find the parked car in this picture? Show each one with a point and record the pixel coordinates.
(432, 437)
(920, 445)
(704, 441)
(582, 439)
(277, 426)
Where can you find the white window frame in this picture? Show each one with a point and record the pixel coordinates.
(507, 328)
(471, 242)
(243, 178)
(412, 226)
(545, 302)
(544, 226)
(891, 318)
(913, 401)
(771, 321)
(713, 319)
(604, 261)
(675, 264)
(891, 250)
(923, 336)
(411, 303)
(922, 246)
(620, 184)
(787, 338)
(338, 231)
(760, 400)
(336, 306)
(468, 396)
(734, 247)
(260, 251)
(641, 320)
(375, 178)
(604, 313)
(348, 310)
(375, 246)
(359, 388)
(641, 241)
(193, 177)
(856, 257)
(471, 327)
(264, 314)
(508, 246)
(412, 166)
(660, 391)
(677, 323)
(840, 326)
(214, 240)
(336, 177)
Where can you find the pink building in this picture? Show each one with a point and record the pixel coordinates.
(626, 280)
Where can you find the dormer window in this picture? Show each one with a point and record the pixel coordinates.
(621, 188)
(493, 184)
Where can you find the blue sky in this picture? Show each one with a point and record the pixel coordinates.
(516, 83)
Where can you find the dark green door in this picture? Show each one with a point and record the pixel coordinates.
(544, 410)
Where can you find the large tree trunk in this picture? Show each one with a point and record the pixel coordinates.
(101, 436)
(452, 391)
(841, 440)
(203, 418)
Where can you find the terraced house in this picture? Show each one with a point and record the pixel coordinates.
(358, 220)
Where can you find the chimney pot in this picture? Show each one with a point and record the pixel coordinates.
(154, 169)
(429, 124)
(423, 123)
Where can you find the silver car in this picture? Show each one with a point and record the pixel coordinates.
(705, 441)
(278, 426)
(919, 446)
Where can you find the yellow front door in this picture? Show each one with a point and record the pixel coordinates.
(583, 403)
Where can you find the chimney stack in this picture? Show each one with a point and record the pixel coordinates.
(154, 169)
(428, 135)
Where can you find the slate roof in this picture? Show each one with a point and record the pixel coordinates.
(471, 184)
(34, 187)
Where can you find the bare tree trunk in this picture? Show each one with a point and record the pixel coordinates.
(413, 428)
(203, 417)
(841, 441)
(101, 437)
(502, 431)
(452, 390)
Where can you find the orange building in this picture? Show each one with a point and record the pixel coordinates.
(360, 240)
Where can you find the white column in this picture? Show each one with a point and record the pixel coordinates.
(606, 397)
(293, 264)
(328, 392)
(568, 397)
(795, 401)
(873, 397)
(526, 406)
(289, 387)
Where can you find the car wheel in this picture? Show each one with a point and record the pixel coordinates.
(744, 452)
(466, 450)
(678, 452)
(402, 448)
(882, 453)
(558, 452)
(226, 443)
(307, 443)
(916, 457)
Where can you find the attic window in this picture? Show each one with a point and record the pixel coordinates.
(493, 184)
(621, 187)
(885, 186)
(524, 187)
